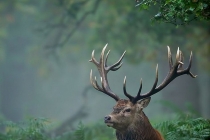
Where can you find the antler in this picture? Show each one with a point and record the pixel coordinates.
(175, 71)
(103, 70)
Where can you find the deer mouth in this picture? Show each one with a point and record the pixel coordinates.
(109, 124)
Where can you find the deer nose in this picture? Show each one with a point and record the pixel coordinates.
(107, 118)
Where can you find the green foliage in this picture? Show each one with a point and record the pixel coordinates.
(32, 129)
(36, 129)
(182, 128)
(179, 12)
(99, 131)
(80, 132)
(185, 128)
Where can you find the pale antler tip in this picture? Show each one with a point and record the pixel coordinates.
(191, 54)
(168, 47)
(157, 71)
(141, 81)
(107, 54)
(180, 62)
(177, 54)
(169, 50)
(92, 55)
(193, 76)
(103, 50)
(93, 52)
(124, 82)
(106, 45)
(91, 79)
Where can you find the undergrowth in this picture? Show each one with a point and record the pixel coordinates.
(183, 128)
(32, 129)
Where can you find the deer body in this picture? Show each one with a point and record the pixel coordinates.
(127, 116)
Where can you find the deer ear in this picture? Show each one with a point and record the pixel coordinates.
(143, 103)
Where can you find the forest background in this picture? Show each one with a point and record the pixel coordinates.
(45, 47)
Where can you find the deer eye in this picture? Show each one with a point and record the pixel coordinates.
(128, 110)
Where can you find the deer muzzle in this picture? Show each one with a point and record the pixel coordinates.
(107, 121)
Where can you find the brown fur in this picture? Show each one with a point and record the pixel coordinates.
(133, 125)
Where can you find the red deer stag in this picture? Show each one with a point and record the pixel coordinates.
(128, 117)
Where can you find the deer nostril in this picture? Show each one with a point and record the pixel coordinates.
(107, 118)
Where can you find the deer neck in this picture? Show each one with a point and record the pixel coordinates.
(140, 129)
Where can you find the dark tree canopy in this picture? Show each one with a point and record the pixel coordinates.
(178, 12)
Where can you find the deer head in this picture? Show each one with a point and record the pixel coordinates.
(128, 113)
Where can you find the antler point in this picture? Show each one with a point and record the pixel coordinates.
(106, 45)
(181, 62)
(93, 52)
(125, 80)
(177, 54)
(141, 81)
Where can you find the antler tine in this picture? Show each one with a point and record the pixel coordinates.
(102, 62)
(177, 55)
(94, 82)
(125, 91)
(190, 61)
(178, 59)
(115, 66)
(93, 59)
(187, 70)
(118, 64)
(156, 79)
(103, 70)
(139, 96)
(107, 58)
(170, 61)
(175, 71)
(181, 60)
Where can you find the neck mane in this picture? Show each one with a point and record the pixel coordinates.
(140, 129)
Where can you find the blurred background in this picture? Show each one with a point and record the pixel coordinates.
(45, 47)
